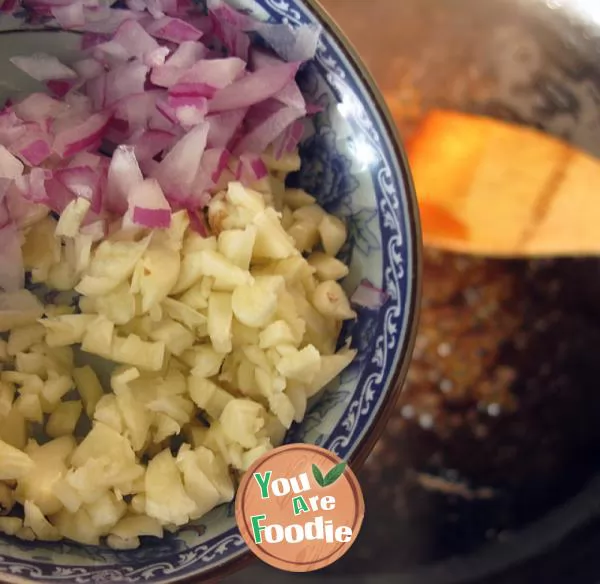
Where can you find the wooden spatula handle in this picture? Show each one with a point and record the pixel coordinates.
(493, 188)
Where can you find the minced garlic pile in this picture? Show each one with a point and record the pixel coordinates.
(216, 345)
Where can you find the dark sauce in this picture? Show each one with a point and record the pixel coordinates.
(498, 421)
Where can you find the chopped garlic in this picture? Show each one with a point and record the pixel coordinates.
(222, 340)
(72, 217)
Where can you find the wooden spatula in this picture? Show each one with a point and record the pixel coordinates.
(490, 188)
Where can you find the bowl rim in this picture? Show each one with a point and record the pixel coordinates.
(366, 444)
(358, 458)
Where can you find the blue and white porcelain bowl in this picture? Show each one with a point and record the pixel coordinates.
(355, 165)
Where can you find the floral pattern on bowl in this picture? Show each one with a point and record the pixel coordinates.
(350, 162)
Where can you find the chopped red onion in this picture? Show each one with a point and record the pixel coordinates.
(254, 87)
(33, 185)
(124, 80)
(171, 108)
(105, 20)
(173, 29)
(214, 162)
(223, 127)
(39, 106)
(88, 68)
(158, 8)
(123, 174)
(135, 40)
(117, 131)
(190, 91)
(369, 296)
(96, 90)
(70, 15)
(178, 169)
(136, 5)
(166, 111)
(43, 7)
(235, 41)
(21, 211)
(150, 143)
(10, 165)
(58, 196)
(82, 136)
(94, 161)
(8, 6)
(158, 121)
(152, 218)
(257, 139)
(32, 149)
(79, 105)
(187, 54)
(251, 168)
(43, 67)
(290, 95)
(288, 140)
(226, 177)
(235, 166)
(216, 73)
(158, 57)
(147, 205)
(60, 87)
(110, 53)
(166, 75)
(90, 40)
(190, 115)
(260, 58)
(137, 109)
(82, 181)
(148, 166)
(9, 133)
